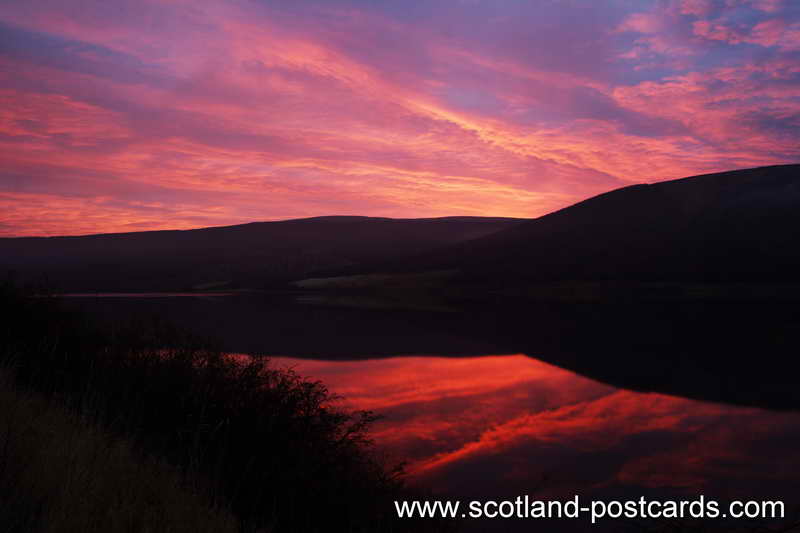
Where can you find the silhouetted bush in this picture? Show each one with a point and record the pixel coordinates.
(273, 447)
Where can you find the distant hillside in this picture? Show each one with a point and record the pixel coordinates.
(726, 227)
(732, 226)
(247, 255)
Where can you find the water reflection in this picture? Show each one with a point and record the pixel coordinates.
(507, 425)
(733, 352)
(499, 426)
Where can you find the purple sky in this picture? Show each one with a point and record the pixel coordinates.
(150, 114)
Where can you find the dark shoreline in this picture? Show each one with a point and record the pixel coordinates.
(260, 441)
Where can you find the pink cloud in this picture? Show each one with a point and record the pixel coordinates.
(254, 112)
(700, 8)
(717, 32)
(769, 6)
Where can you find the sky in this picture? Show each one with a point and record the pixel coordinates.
(131, 115)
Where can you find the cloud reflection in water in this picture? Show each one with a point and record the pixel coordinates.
(497, 426)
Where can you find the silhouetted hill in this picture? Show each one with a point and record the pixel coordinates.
(733, 226)
(247, 255)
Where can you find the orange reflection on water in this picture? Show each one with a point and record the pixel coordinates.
(499, 424)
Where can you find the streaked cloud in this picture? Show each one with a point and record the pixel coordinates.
(255, 110)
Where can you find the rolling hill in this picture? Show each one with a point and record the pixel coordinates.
(738, 226)
(247, 255)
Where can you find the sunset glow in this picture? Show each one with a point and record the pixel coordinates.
(498, 425)
(133, 115)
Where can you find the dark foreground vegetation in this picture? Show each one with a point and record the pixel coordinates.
(59, 473)
(235, 437)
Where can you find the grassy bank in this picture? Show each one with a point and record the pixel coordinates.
(267, 445)
(59, 474)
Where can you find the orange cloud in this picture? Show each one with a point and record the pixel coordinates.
(256, 112)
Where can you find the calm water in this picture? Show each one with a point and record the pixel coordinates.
(480, 420)
(507, 425)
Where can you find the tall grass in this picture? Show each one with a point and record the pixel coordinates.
(60, 474)
(271, 446)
